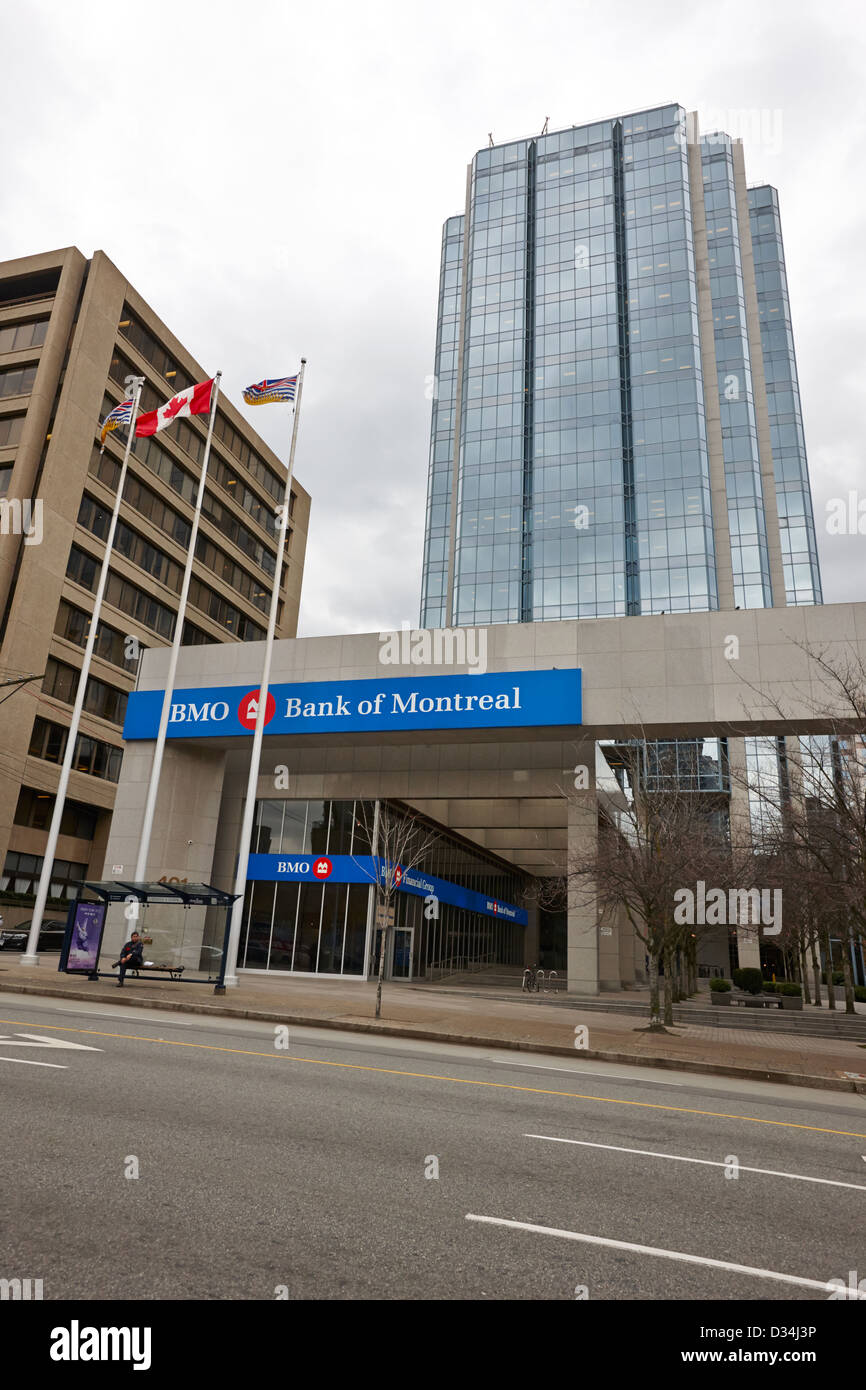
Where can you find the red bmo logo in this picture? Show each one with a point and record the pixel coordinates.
(248, 709)
(322, 868)
(398, 876)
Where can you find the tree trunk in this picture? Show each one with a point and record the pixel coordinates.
(382, 951)
(669, 1004)
(816, 972)
(846, 968)
(654, 987)
(828, 956)
(804, 974)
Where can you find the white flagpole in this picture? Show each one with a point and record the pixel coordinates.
(156, 767)
(30, 957)
(231, 978)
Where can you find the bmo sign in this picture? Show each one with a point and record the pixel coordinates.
(216, 711)
(205, 713)
(299, 870)
(494, 700)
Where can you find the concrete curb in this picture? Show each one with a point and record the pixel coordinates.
(821, 1083)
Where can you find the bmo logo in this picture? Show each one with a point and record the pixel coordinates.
(320, 868)
(248, 709)
(199, 714)
(398, 876)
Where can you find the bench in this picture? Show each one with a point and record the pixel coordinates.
(172, 972)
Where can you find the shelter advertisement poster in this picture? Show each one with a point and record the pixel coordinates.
(85, 939)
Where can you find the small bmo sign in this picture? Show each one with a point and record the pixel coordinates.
(499, 700)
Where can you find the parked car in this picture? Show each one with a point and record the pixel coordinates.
(51, 936)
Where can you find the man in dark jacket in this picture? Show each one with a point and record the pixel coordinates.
(131, 957)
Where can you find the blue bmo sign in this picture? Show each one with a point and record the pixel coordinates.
(346, 868)
(503, 700)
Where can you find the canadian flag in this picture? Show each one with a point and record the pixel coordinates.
(194, 401)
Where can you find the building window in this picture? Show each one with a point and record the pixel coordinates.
(16, 336)
(17, 381)
(5, 480)
(122, 594)
(101, 699)
(36, 808)
(111, 645)
(21, 874)
(10, 430)
(93, 756)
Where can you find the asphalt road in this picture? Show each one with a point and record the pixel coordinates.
(304, 1170)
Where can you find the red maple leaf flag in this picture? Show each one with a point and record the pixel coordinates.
(195, 400)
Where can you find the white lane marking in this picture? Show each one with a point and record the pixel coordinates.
(37, 1040)
(585, 1071)
(823, 1285)
(708, 1162)
(22, 1061)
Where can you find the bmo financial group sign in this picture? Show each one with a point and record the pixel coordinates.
(365, 868)
(504, 700)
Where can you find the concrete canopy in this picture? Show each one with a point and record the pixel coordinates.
(672, 676)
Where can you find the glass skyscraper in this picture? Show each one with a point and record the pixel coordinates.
(616, 421)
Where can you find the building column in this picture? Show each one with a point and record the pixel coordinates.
(583, 971)
(748, 937)
(531, 937)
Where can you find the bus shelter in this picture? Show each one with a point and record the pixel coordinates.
(175, 922)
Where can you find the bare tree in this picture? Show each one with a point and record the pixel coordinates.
(653, 845)
(400, 840)
(821, 844)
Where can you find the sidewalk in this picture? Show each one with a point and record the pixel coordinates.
(441, 1015)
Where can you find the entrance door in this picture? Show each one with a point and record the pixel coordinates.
(398, 963)
(401, 957)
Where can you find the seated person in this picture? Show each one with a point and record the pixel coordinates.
(131, 957)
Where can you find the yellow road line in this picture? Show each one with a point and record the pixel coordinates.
(432, 1076)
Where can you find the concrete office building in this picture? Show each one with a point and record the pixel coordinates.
(71, 331)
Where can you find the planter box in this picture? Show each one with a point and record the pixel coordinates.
(791, 1001)
(758, 1001)
(717, 997)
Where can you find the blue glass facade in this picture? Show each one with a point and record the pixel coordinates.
(570, 470)
(443, 390)
(793, 494)
(743, 484)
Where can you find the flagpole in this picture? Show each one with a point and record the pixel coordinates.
(30, 956)
(140, 874)
(230, 963)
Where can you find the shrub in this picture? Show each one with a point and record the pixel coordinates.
(770, 986)
(860, 994)
(748, 978)
(790, 988)
(720, 986)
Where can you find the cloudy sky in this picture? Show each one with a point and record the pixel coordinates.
(273, 179)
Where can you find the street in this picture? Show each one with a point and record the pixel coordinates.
(310, 1171)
